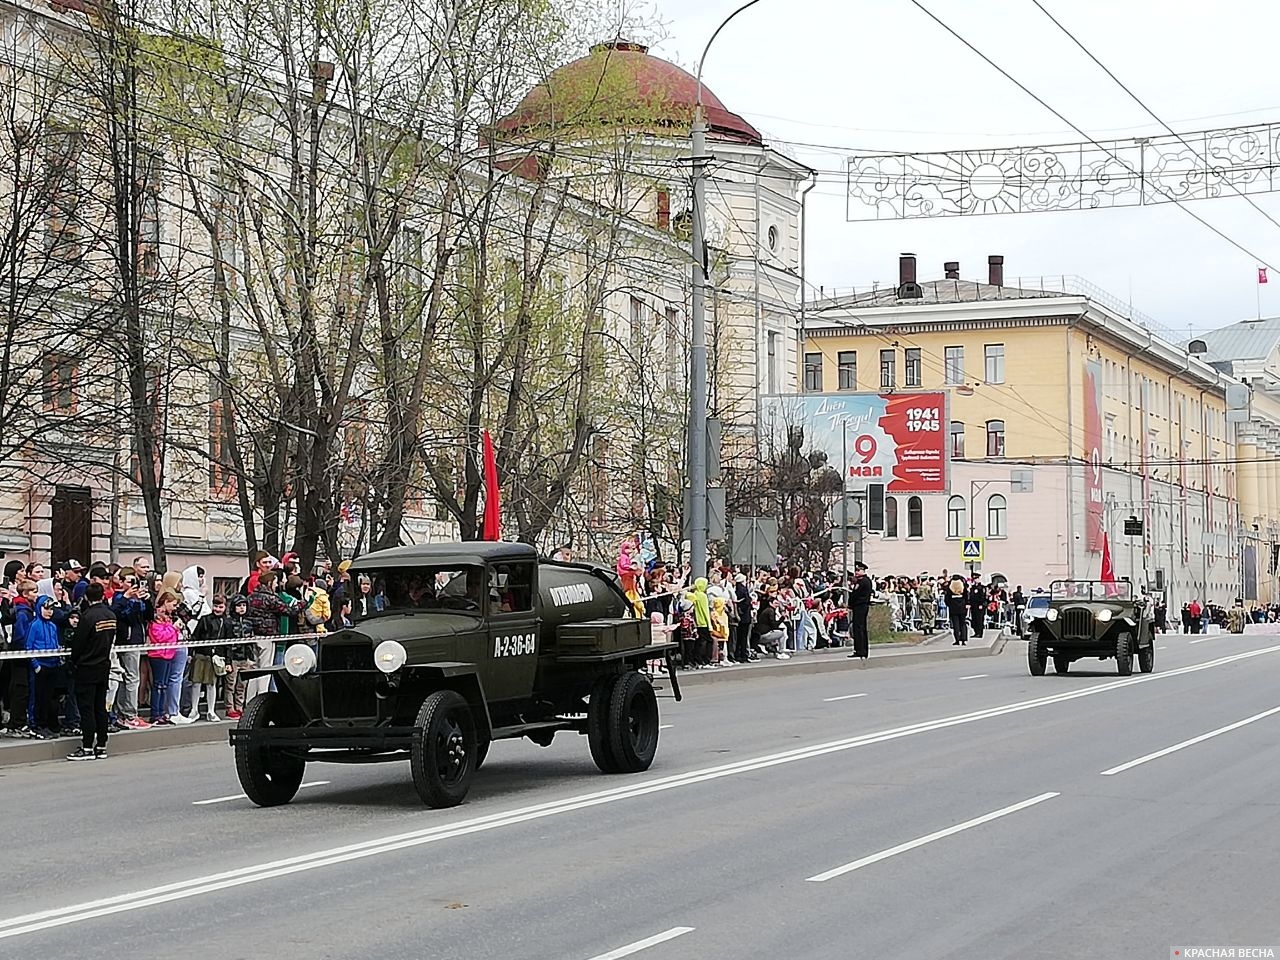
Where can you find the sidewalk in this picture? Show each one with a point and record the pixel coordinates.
(937, 647)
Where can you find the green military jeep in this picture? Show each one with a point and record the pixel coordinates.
(1090, 618)
(455, 646)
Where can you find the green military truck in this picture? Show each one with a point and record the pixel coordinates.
(462, 644)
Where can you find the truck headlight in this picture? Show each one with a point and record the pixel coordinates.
(1104, 616)
(299, 659)
(390, 656)
(1051, 614)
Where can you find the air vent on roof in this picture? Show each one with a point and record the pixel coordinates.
(908, 289)
(1197, 347)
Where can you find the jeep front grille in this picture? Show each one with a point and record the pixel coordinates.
(346, 656)
(1077, 624)
(349, 696)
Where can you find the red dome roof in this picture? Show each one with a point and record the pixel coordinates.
(620, 83)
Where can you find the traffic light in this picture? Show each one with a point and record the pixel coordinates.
(875, 507)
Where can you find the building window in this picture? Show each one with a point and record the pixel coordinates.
(957, 440)
(888, 359)
(58, 375)
(993, 363)
(997, 516)
(222, 475)
(62, 150)
(954, 357)
(773, 362)
(664, 208)
(1111, 438)
(995, 438)
(891, 518)
(847, 369)
(911, 367)
(149, 180)
(813, 372)
(955, 518)
(915, 518)
(637, 326)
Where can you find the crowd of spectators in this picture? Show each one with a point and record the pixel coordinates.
(110, 648)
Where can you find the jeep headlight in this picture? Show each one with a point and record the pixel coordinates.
(1051, 614)
(390, 656)
(299, 660)
(1104, 616)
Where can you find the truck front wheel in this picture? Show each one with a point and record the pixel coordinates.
(1036, 656)
(444, 751)
(1124, 654)
(268, 775)
(598, 724)
(633, 723)
(1147, 657)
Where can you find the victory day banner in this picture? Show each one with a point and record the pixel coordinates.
(1093, 505)
(898, 439)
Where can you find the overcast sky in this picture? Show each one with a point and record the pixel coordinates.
(879, 75)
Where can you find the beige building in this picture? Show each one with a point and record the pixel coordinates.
(1067, 417)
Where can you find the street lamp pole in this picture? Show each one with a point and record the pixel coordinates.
(698, 326)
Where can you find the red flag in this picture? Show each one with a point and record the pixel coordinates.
(492, 506)
(1108, 574)
(1262, 274)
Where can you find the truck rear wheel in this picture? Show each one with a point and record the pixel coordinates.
(598, 724)
(269, 776)
(1036, 656)
(444, 750)
(1147, 658)
(633, 723)
(1061, 664)
(1124, 654)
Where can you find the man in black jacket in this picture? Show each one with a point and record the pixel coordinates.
(91, 656)
(860, 593)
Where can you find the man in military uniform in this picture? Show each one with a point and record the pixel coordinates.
(860, 593)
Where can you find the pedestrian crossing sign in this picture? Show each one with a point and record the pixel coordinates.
(971, 549)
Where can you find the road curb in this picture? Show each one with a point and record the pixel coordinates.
(810, 666)
(13, 752)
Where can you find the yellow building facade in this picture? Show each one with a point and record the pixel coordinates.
(1065, 420)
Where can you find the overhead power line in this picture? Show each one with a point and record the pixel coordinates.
(1057, 113)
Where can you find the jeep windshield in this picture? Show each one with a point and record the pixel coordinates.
(450, 589)
(1090, 590)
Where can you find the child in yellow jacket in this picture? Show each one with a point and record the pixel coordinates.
(720, 630)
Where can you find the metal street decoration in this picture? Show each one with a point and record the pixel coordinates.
(1069, 176)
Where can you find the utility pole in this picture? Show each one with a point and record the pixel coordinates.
(698, 325)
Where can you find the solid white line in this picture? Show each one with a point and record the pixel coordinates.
(241, 796)
(847, 696)
(1189, 743)
(1201, 640)
(1162, 647)
(197, 886)
(644, 944)
(666, 726)
(913, 844)
(976, 676)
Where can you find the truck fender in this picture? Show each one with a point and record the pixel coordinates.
(461, 677)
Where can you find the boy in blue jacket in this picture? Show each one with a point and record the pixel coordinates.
(45, 634)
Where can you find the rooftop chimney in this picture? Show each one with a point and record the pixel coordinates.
(951, 269)
(908, 289)
(995, 270)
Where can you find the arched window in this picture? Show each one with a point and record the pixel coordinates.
(995, 438)
(890, 518)
(956, 518)
(915, 518)
(997, 516)
(957, 440)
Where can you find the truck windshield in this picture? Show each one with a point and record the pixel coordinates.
(1091, 590)
(406, 589)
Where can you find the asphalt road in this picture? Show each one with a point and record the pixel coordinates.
(956, 809)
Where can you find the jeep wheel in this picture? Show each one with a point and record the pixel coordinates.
(444, 750)
(633, 723)
(269, 776)
(1147, 658)
(598, 724)
(1124, 654)
(1036, 656)
(1061, 664)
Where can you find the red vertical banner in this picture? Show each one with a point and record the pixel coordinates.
(492, 521)
(1093, 505)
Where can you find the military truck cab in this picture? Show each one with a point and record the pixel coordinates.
(452, 647)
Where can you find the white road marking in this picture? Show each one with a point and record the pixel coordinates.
(241, 796)
(666, 726)
(198, 886)
(1162, 647)
(975, 676)
(921, 841)
(1201, 640)
(847, 696)
(644, 944)
(1190, 743)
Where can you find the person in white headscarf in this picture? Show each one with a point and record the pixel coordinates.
(194, 606)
